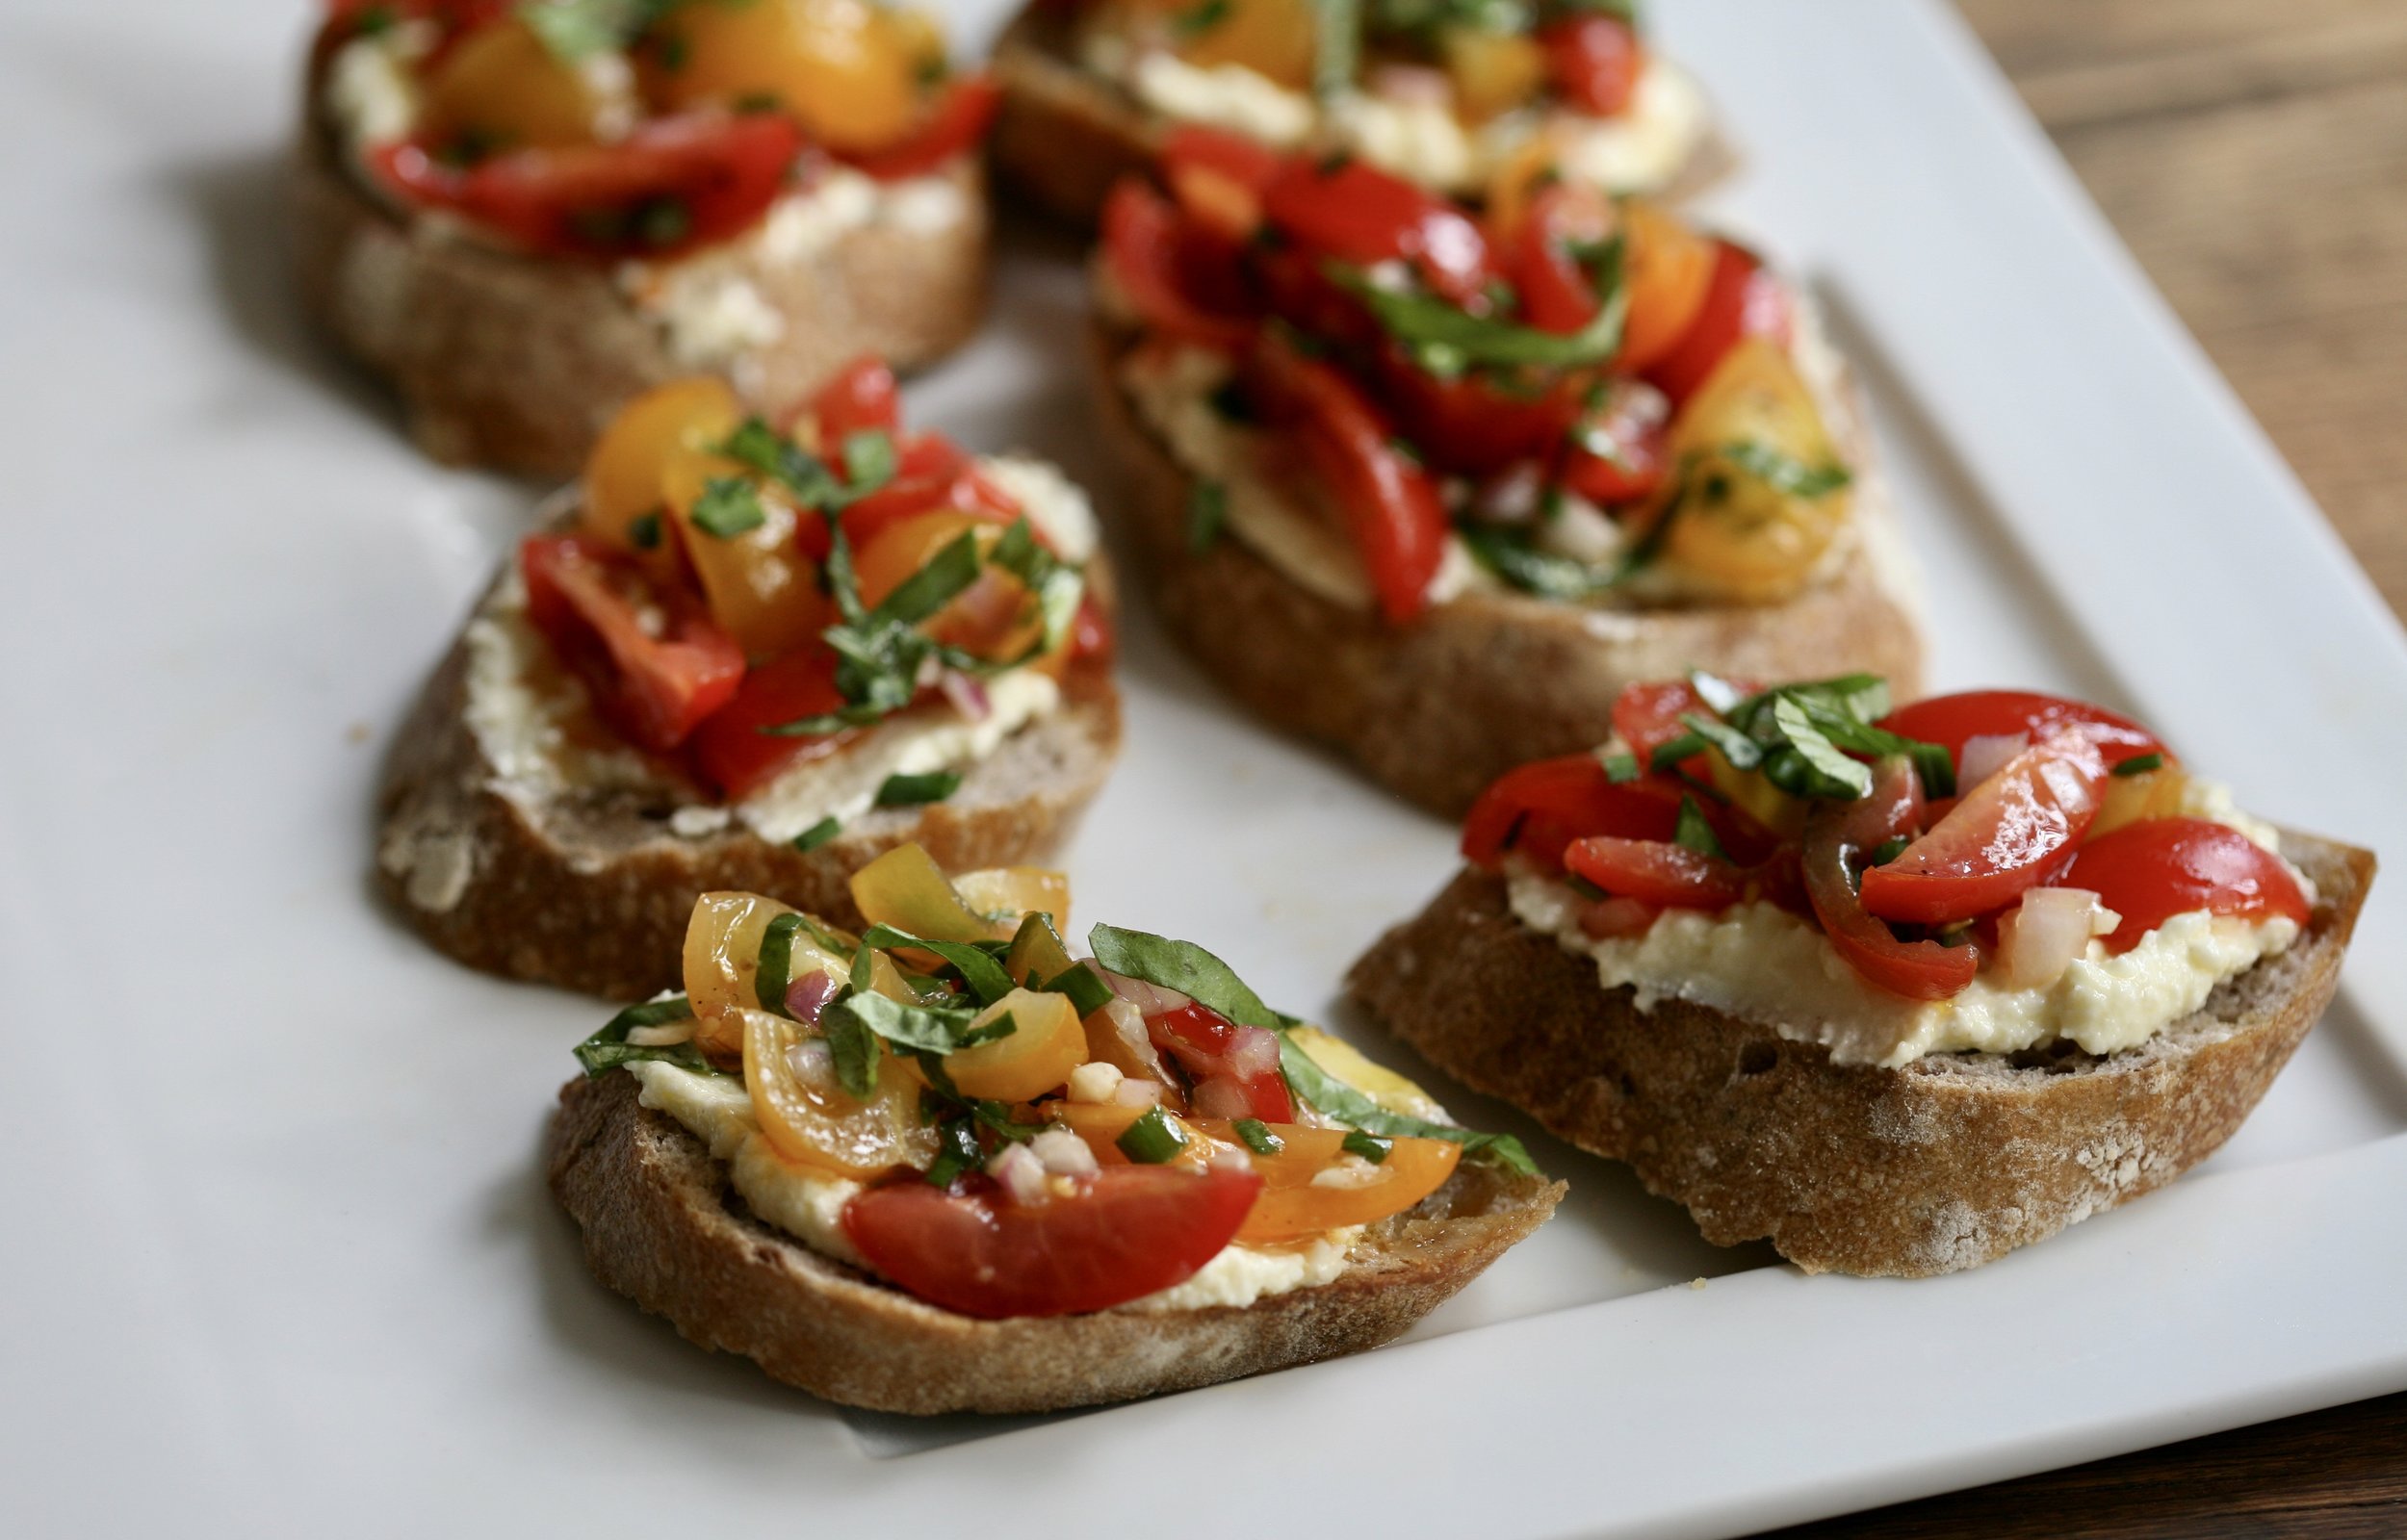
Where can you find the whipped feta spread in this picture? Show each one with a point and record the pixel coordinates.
(1640, 150)
(533, 722)
(809, 1205)
(1759, 962)
(372, 84)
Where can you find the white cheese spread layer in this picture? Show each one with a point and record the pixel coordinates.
(810, 1206)
(1761, 962)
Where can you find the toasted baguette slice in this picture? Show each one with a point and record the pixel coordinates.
(516, 362)
(591, 890)
(1437, 710)
(1067, 134)
(663, 1226)
(1948, 1163)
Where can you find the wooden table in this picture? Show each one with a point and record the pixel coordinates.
(2254, 156)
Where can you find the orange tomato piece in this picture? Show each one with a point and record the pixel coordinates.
(626, 473)
(847, 70)
(1668, 268)
(762, 588)
(993, 618)
(1296, 1204)
(501, 89)
(1045, 1043)
(813, 1121)
(1272, 38)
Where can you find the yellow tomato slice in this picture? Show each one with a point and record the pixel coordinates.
(811, 1119)
(1494, 73)
(847, 70)
(1046, 1044)
(760, 585)
(722, 962)
(501, 89)
(2131, 799)
(1737, 532)
(626, 473)
(1100, 1125)
(1272, 38)
(1390, 1090)
(1297, 1198)
(1037, 954)
(1669, 266)
(1009, 895)
(906, 890)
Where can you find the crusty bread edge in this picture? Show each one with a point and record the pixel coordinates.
(1437, 709)
(517, 363)
(1065, 134)
(1945, 1163)
(661, 1226)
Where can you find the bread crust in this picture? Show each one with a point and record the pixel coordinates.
(517, 363)
(1066, 135)
(1437, 710)
(663, 1226)
(591, 891)
(1946, 1163)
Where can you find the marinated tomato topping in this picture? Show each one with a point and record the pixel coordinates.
(1929, 843)
(1034, 1135)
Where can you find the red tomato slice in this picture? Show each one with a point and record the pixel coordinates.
(673, 185)
(1741, 300)
(1556, 293)
(1129, 1231)
(1467, 426)
(2156, 868)
(1656, 872)
(730, 747)
(1838, 837)
(1646, 716)
(1294, 288)
(862, 397)
(1092, 634)
(653, 688)
(1235, 1070)
(1631, 423)
(1953, 719)
(1390, 503)
(1538, 808)
(1593, 62)
(954, 127)
(1357, 214)
(1153, 255)
(2002, 837)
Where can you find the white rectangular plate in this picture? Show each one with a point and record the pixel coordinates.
(279, 1258)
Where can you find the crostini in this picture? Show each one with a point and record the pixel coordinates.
(522, 215)
(746, 658)
(1448, 95)
(940, 1166)
(1899, 990)
(1433, 487)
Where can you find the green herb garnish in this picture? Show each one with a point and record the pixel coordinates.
(1693, 833)
(643, 532)
(1888, 849)
(777, 963)
(1621, 768)
(1183, 966)
(1785, 473)
(1370, 1146)
(1347, 1105)
(2140, 764)
(1208, 514)
(1200, 18)
(1151, 1139)
(729, 507)
(868, 459)
(975, 964)
(818, 834)
(957, 1151)
(916, 790)
(1446, 339)
(1255, 1134)
(1088, 993)
(576, 29)
(608, 1048)
(1337, 46)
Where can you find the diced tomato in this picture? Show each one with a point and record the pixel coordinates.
(953, 127)
(931, 473)
(1742, 300)
(1160, 264)
(1128, 1231)
(1556, 295)
(1353, 212)
(1295, 287)
(1616, 453)
(1656, 871)
(2002, 837)
(672, 185)
(1646, 715)
(1592, 60)
(1390, 503)
(1234, 1068)
(1217, 177)
(1092, 634)
(730, 749)
(862, 397)
(2152, 870)
(1468, 425)
(1538, 808)
(1953, 719)
(654, 685)
(1839, 837)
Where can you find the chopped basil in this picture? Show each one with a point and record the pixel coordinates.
(976, 966)
(1208, 514)
(957, 1151)
(852, 1046)
(608, 1048)
(1785, 473)
(1816, 750)
(1889, 849)
(1057, 585)
(880, 652)
(2140, 764)
(1200, 18)
(662, 221)
(1801, 737)
(1370, 1146)
(804, 476)
(1152, 1138)
(1256, 1137)
(868, 459)
(818, 834)
(729, 507)
(916, 790)
(1183, 966)
(643, 532)
(1336, 45)
(1088, 993)
(1510, 556)
(1447, 339)
(576, 29)
(1742, 751)
(1347, 1105)
(777, 963)
(1621, 768)
(937, 1030)
(1693, 833)
(1669, 755)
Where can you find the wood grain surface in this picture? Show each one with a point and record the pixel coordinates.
(2254, 156)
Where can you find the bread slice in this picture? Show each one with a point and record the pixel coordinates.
(1946, 1163)
(1067, 134)
(1437, 710)
(516, 363)
(591, 890)
(663, 1226)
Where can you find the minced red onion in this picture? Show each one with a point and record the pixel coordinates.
(1257, 1052)
(1134, 1092)
(1064, 1153)
(1222, 1098)
(1020, 1172)
(1985, 756)
(1149, 999)
(807, 996)
(1411, 84)
(2044, 935)
(967, 693)
(813, 1061)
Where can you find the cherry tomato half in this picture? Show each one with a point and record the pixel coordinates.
(2149, 871)
(653, 688)
(1127, 1232)
(1593, 61)
(1656, 872)
(862, 397)
(1953, 719)
(1839, 836)
(1538, 808)
(1167, 272)
(2002, 837)
(1355, 213)
(1741, 300)
(730, 747)
(954, 126)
